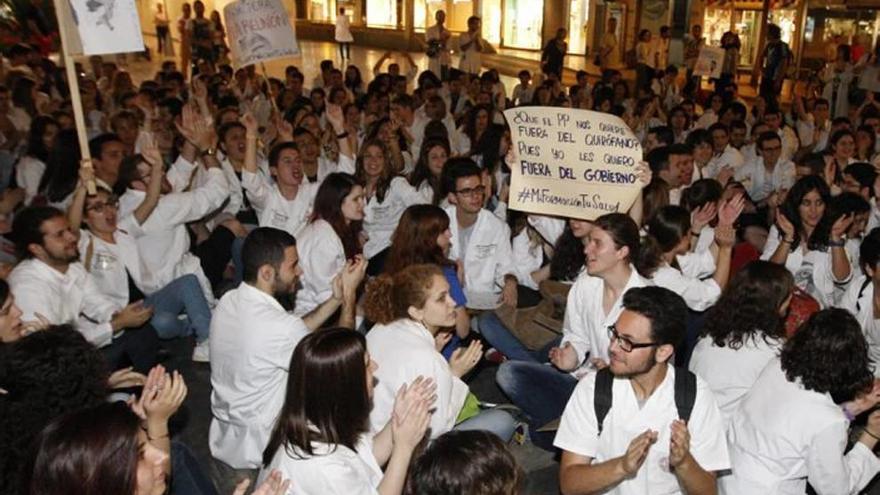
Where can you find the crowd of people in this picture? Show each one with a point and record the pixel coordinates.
(343, 257)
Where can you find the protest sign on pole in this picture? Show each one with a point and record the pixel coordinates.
(259, 30)
(709, 62)
(572, 163)
(106, 26)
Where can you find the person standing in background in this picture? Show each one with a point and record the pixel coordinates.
(609, 56)
(470, 44)
(554, 54)
(645, 59)
(184, 31)
(774, 59)
(218, 37)
(343, 34)
(437, 38)
(692, 45)
(201, 33)
(160, 19)
(731, 44)
(662, 51)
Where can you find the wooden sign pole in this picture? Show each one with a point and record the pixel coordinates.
(64, 22)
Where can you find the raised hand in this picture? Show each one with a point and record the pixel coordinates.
(702, 216)
(464, 360)
(840, 226)
(335, 117)
(164, 399)
(565, 358)
(126, 378)
(725, 235)
(637, 452)
(420, 390)
(643, 171)
(441, 339)
(250, 123)
(731, 210)
(785, 225)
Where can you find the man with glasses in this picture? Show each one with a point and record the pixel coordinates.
(52, 284)
(767, 173)
(479, 239)
(642, 445)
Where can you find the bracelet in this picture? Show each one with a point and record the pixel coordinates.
(153, 439)
(787, 241)
(697, 234)
(875, 437)
(342, 136)
(839, 244)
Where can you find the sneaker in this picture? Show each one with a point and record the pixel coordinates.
(202, 352)
(495, 356)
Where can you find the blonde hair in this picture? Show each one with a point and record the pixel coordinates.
(389, 297)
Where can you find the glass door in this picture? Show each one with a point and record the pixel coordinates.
(748, 25)
(578, 15)
(522, 24)
(491, 16)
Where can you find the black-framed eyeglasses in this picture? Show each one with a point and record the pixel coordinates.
(626, 344)
(472, 191)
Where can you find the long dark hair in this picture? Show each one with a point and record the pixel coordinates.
(665, 231)
(384, 181)
(328, 207)
(790, 207)
(568, 256)
(748, 308)
(88, 451)
(846, 203)
(62, 167)
(35, 147)
(326, 367)
(422, 172)
(829, 354)
(415, 239)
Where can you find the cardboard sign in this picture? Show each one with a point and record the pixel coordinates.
(709, 62)
(572, 163)
(104, 27)
(259, 30)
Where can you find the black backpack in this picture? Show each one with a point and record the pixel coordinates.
(685, 394)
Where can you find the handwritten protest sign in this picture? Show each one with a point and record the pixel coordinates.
(572, 163)
(709, 62)
(103, 27)
(259, 30)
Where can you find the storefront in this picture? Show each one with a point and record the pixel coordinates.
(746, 20)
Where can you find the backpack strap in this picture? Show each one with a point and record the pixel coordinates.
(602, 396)
(685, 393)
(865, 285)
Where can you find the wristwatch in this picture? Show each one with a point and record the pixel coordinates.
(840, 243)
(209, 152)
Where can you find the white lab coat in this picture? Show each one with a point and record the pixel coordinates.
(343, 29)
(578, 432)
(759, 185)
(321, 257)
(527, 258)
(327, 166)
(28, 174)
(698, 294)
(811, 269)
(585, 325)
(730, 373)
(71, 297)
(487, 258)
(380, 219)
(404, 350)
(730, 157)
(783, 436)
(252, 340)
(163, 239)
(333, 470)
(550, 228)
(699, 263)
(472, 58)
(860, 302)
(273, 209)
(111, 263)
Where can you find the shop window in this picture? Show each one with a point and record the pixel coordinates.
(322, 10)
(578, 15)
(522, 24)
(491, 16)
(382, 13)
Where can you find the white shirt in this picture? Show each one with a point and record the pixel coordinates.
(527, 258)
(730, 157)
(860, 302)
(783, 435)
(273, 209)
(252, 340)
(730, 373)
(790, 142)
(327, 166)
(333, 470)
(487, 258)
(110, 264)
(759, 184)
(380, 219)
(163, 239)
(343, 29)
(585, 324)
(28, 174)
(578, 432)
(471, 59)
(321, 257)
(698, 294)
(71, 297)
(404, 350)
(812, 269)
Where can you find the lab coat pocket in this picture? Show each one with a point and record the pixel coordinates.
(485, 251)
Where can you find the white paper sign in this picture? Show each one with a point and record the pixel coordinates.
(572, 163)
(259, 30)
(709, 62)
(106, 26)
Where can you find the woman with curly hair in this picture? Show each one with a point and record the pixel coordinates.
(816, 257)
(790, 428)
(743, 332)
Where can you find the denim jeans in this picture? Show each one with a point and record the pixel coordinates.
(540, 391)
(182, 296)
(494, 421)
(187, 474)
(491, 328)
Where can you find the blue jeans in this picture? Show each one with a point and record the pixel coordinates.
(540, 391)
(499, 336)
(494, 421)
(187, 475)
(182, 296)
